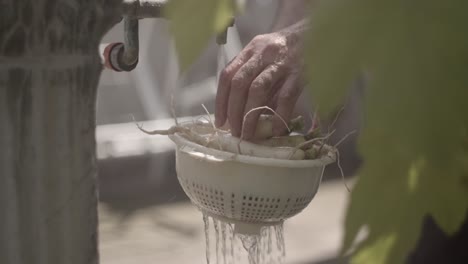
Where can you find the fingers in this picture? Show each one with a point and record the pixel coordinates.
(224, 87)
(273, 103)
(286, 100)
(260, 94)
(239, 92)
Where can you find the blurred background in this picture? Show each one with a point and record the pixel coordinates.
(145, 217)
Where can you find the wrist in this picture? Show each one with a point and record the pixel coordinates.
(294, 34)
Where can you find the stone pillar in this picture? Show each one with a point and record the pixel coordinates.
(49, 71)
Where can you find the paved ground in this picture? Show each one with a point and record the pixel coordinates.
(173, 232)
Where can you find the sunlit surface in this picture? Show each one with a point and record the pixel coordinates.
(174, 232)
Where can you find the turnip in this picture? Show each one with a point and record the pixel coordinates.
(312, 153)
(264, 129)
(294, 147)
(235, 145)
(204, 135)
(285, 141)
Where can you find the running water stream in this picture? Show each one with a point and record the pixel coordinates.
(222, 60)
(224, 246)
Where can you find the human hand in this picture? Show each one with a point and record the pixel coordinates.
(267, 72)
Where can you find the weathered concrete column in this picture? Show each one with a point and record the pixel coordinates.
(49, 71)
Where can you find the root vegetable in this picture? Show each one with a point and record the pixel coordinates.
(313, 134)
(198, 133)
(231, 144)
(311, 153)
(293, 147)
(264, 129)
(286, 141)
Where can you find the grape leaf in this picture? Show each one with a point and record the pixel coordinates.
(193, 23)
(335, 46)
(415, 57)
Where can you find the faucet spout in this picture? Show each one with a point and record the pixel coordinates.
(124, 56)
(221, 38)
(143, 8)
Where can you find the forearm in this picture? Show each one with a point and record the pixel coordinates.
(290, 12)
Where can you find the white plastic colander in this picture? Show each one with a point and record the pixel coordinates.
(249, 192)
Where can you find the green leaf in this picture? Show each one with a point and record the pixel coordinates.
(377, 251)
(340, 32)
(193, 23)
(414, 137)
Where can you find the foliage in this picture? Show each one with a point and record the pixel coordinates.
(414, 55)
(194, 22)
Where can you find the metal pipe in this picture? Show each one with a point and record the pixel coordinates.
(131, 42)
(143, 8)
(124, 56)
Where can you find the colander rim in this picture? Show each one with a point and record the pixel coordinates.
(214, 155)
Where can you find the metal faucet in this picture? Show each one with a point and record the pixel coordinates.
(143, 8)
(120, 56)
(124, 56)
(221, 38)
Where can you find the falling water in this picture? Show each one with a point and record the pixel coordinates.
(222, 60)
(224, 246)
(207, 237)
